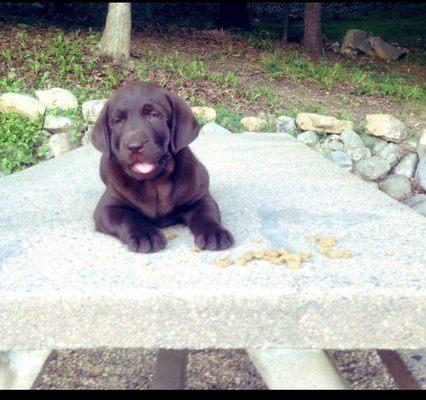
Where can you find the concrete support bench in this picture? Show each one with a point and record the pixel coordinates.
(62, 285)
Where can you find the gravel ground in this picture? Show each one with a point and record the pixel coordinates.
(207, 369)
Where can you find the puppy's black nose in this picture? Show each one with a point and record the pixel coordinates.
(135, 145)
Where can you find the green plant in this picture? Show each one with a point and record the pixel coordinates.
(21, 142)
(230, 119)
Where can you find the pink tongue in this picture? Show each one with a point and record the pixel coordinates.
(143, 168)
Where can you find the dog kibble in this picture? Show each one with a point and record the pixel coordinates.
(248, 256)
(305, 255)
(331, 253)
(313, 238)
(271, 253)
(224, 262)
(240, 262)
(171, 235)
(294, 264)
(328, 241)
(347, 254)
(196, 249)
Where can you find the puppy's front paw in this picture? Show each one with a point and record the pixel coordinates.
(214, 237)
(146, 240)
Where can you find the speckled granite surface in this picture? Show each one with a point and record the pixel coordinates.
(63, 285)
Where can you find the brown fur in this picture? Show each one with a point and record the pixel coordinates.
(135, 205)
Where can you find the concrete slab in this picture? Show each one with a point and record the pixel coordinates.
(62, 285)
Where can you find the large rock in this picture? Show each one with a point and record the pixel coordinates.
(341, 158)
(388, 151)
(386, 126)
(286, 124)
(420, 208)
(59, 144)
(407, 165)
(386, 51)
(321, 123)
(351, 139)
(357, 39)
(358, 153)
(253, 124)
(415, 200)
(420, 177)
(309, 138)
(329, 145)
(57, 98)
(206, 113)
(213, 128)
(373, 168)
(407, 146)
(91, 109)
(23, 104)
(396, 186)
(421, 148)
(58, 123)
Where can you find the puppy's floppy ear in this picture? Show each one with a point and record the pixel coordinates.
(101, 137)
(184, 126)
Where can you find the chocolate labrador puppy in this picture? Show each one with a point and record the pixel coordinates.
(152, 178)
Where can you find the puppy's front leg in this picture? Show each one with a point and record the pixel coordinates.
(205, 223)
(130, 227)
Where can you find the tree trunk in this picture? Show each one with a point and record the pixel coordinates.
(284, 38)
(115, 41)
(234, 15)
(312, 38)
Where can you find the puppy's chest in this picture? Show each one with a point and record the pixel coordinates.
(155, 201)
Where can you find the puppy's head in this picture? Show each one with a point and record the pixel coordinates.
(142, 126)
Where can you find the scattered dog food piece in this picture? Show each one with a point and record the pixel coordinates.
(196, 249)
(347, 254)
(313, 238)
(323, 250)
(171, 235)
(224, 262)
(240, 262)
(328, 241)
(258, 255)
(332, 253)
(271, 253)
(248, 256)
(305, 255)
(294, 257)
(294, 264)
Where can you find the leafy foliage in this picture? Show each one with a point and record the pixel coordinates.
(22, 142)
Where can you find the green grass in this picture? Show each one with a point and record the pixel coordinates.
(229, 119)
(297, 67)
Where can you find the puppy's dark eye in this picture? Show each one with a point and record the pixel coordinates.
(155, 115)
(117, 120)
